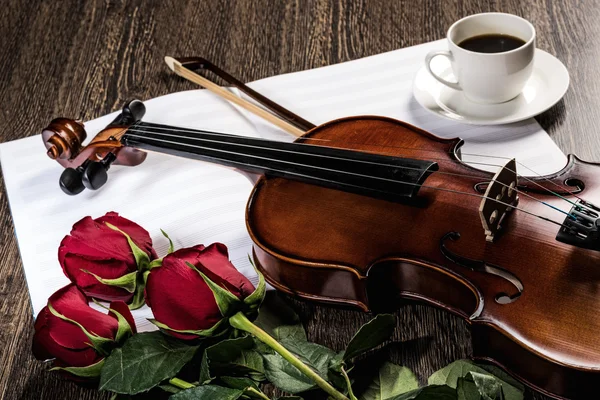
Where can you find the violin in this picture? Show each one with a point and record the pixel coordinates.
(369, 211)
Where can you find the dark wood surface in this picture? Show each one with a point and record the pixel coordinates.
(84, 59)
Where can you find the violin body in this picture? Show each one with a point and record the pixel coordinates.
(533, 303)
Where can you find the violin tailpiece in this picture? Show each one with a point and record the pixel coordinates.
(581, 228)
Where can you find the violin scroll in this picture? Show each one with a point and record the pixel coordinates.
(86, 166)
(63, 138)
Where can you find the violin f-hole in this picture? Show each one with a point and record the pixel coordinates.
(483, 267)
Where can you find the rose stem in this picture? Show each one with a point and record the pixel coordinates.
(180, 383)
(240, 321)
(347, 379)
(257, 392)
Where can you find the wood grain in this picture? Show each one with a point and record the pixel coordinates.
(84, 59)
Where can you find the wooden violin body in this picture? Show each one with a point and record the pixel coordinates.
(539, 318)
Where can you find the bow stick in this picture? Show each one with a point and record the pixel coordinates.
(279, 117)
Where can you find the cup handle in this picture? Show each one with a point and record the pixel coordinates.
(430, 56)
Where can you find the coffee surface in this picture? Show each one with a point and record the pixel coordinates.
(491, 43)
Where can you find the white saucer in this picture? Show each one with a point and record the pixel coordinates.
(547, 85)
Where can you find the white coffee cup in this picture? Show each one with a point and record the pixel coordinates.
(488, 77)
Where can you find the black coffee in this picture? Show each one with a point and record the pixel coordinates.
(491, 43)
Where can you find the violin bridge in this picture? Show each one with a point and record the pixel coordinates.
(499, 199)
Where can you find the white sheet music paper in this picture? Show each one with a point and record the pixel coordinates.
(197, 202)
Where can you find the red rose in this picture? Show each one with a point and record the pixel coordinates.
(100, 260)
(180, 298)
(75, 335)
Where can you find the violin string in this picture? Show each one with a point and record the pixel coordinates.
(333, 157)
(310, 154)
(420, 149)
(536, 174)
(479, 163)
(133, 134)
(577, 206)
(218, 134)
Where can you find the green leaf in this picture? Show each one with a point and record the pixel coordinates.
(143, 362)
(171, 247)
(279, 320)
(459, 369)
(488, 385)
(167, 387)
(100, 344)
(247, 385)
(290, 333)
(141, 258)
(370, 335)
(449, 374)
(503, 376)
(217, 329)
(313, 354)
(208, 392)
(432, 392)
(392, 380)
(227, 302)
(232, 356)
(255, 299)
(154, 264)
(238, 382)
(89, 372)
(126, 281)
(467, 390)
(286, 376)
(289, 398)
(118, 396)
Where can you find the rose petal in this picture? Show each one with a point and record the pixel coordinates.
(139, 235)
(74, 265)
(123, 309)
(77, 358)
(179, 296)
(71, 303)
(86, 248)
(214, 262)
(42, 342)
(99, 240)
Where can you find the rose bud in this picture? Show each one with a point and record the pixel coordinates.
(102, 257)
(195, 289)
(77, 336)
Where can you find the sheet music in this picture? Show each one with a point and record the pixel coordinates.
(196, 202)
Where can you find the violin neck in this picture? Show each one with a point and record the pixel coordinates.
(390, 178)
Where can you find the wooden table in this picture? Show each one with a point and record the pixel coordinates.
(84, 59)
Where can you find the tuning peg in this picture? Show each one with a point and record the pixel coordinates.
(71, 181)
(95, 173)
(94, 176)
(132, 112)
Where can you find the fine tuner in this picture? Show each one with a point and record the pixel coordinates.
(369, 211)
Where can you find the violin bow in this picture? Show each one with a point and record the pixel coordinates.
(279, 116)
